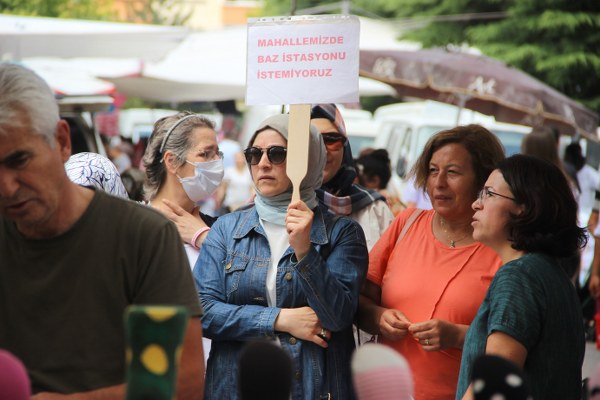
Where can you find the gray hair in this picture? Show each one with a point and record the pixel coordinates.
(26, 101)
(179, 142)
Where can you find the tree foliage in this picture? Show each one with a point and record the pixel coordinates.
(556, 41)
(158, 12)
(78, 9)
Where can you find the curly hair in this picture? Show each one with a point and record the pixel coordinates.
(179, 142)
(548, 223)
(483, 146)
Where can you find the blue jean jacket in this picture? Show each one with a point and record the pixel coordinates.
(231, 275)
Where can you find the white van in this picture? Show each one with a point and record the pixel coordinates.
(404, 128)
(361, 129)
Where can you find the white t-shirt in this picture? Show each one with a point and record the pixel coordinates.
(589, 180)
(279, 241)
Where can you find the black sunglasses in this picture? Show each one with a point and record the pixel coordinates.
(275, 154)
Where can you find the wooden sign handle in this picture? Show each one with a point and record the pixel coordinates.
(297, 152)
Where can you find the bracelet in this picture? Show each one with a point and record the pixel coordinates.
(197, 235)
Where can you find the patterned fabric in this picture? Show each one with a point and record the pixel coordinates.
(91, 169)
(340, 194)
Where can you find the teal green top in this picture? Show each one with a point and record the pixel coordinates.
(532, 300)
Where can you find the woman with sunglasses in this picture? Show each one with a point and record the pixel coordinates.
(427, 276)
(339, 193)
(288, 272)
(531, 314)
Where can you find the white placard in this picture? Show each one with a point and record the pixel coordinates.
(302, 60)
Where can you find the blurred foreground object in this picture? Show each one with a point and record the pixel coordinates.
(265, 372)
(381, 373)
(498, 378)
(154, 337)
(14, 382)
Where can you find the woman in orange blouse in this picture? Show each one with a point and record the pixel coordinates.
(427, 276)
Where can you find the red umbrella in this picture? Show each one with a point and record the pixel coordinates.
(478, 83)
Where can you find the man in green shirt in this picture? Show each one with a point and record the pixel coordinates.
(73, 258)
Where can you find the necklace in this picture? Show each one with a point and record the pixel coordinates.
(452, 241)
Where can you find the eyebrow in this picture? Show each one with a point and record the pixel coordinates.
(15, 156)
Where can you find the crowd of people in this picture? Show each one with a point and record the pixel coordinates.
(484, 277)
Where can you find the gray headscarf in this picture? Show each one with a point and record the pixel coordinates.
(92, 169)
(274, 209)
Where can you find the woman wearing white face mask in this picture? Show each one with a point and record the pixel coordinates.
(183, 166)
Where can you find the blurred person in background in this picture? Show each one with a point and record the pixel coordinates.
(588, 180)
(228, 142)
(339, 193)
(120, 152)
(543, 143)
(374, 169)
(427, 275)
(236, 189)
(374, 172)
(527, 213)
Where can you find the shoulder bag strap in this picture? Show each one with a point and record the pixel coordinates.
(408, 223)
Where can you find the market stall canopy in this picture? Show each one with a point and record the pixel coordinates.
(22, 37)
(211, 66)
(478, 83)
(78, 76)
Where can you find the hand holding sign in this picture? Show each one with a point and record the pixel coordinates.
(297, 159)
(299, 61)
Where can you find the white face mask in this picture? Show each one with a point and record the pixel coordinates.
(207, 178)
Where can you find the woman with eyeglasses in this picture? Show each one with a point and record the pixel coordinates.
(339, 193)
(287, 272)
(183, 166)
(531, 314)
(427, 275)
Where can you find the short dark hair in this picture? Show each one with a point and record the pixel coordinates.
(548, 223)
(376, 163)
(483, 146)
(574, 156)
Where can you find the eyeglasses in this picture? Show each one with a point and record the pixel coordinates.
(333, 140)
(211, 154)
(486, 193)
(275, 154)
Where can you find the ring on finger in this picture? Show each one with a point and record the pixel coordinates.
(322, 334)
(426, 342)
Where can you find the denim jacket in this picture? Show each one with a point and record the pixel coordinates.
(231, 275)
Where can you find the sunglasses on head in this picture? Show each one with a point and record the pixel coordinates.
(275, 154)
(333, 141)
